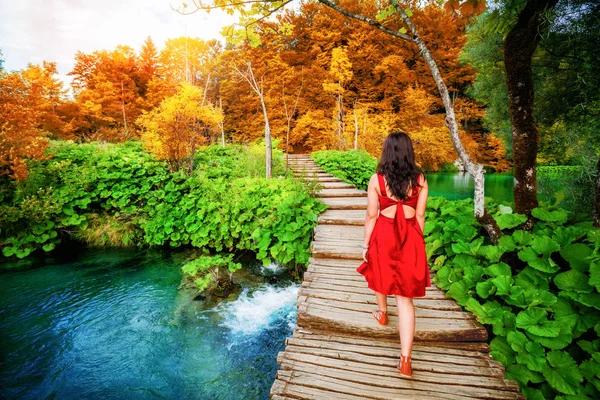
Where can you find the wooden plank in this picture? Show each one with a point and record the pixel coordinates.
(343, 217)
(348, 252)
(347, 232)
(392, 310)
(341, 193)
(346, 203)
(436, 295)
(316, 316)
(337, 185)
(467, 349)
(333, 262)
(370, 299)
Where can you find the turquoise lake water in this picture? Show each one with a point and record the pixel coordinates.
(114, 325)
(456, 186)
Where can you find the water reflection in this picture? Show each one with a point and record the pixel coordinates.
(460, 185)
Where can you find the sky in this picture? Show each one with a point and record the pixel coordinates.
(54, 30)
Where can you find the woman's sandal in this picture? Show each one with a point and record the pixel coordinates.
(404, 366)
(381, 317)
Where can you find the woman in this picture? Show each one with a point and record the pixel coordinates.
(394, 256)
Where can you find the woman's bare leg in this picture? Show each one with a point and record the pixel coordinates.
(406, 323)
(381, 301)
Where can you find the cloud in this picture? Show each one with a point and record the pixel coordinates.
(54, 30)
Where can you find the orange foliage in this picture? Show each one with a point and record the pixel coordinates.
(356, 84)
(23, 110)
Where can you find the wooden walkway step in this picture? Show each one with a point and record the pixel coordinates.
(340, 352)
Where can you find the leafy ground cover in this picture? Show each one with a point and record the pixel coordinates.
(536, 292)
(120, 195)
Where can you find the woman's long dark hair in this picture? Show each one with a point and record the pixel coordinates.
(398, 166)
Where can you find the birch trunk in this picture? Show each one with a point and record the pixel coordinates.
(268, 146)
(355, 128)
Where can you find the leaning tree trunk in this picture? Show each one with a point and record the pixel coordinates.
(268, 145)
(597, 197)
(519, 46)
(476, 170)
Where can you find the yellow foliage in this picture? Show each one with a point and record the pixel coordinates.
(313, 131)
(179, 125)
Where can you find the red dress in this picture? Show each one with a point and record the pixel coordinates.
(397, 263)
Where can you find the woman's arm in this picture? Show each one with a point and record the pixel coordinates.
(372, 209)
(422, 203)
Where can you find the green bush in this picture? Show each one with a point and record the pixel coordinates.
(572, 185)
(353, 166)
(536, 292)
(121, 195)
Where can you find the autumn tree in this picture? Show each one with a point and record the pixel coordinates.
(181, 123)
(340, 74)
(24, 100)
(107, 90)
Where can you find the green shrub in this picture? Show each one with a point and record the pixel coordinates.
(537, 292)
(353, 166)
(572, 185)
(121, 195)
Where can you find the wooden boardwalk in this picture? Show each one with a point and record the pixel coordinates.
(339, 351)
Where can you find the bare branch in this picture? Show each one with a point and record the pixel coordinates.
(368, 20)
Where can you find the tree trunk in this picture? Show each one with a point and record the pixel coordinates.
(597, 197)
(287, 151)
(355, 128)
(268, 146)
(123, 106)
(519, 46)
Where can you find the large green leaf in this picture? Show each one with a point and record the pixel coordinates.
(517, 341)
(484, 288)
(576, 255)
(564, 235)
(498, 269)
(506, 243)
(558, 216)
(464, 260)
(501, 350)
(465, 247)
(509, 221)
(562, 372)
(522, 237)
(544, 245)
(492, 253)
(555, 343)
(572, 280)
(503, 284)
(534, 356)
(458, 291)
(541, 263)
(523, 375)
(535, 320)
(595, 275)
